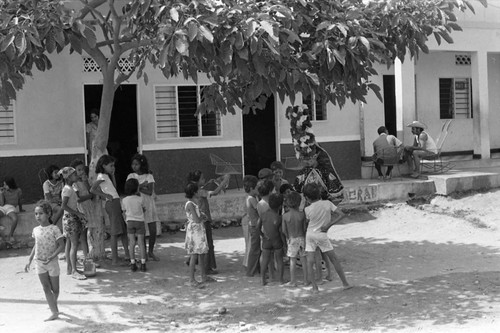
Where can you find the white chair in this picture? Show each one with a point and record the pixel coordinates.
(434, 163)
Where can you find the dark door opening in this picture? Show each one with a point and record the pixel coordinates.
(123, 134)
(259, 138)
(390, 104)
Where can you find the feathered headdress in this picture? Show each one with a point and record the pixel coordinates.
(303, 138)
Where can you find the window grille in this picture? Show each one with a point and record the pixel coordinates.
(176, 113)
(7, 124)
(91, 66)
(462, 59)
(455, 98)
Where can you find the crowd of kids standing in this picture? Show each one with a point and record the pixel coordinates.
(280, 224)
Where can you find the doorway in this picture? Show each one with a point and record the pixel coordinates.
(123, 139)
(259, 138)
(390, 103)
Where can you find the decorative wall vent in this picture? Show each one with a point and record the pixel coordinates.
(462, 59)
(90, 66)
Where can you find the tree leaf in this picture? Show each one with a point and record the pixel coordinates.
(90, 37)
(20, 42)
(267, 27)
(174, 14)
(9, 39)
(192, 31)
(146, 78)
(206, 33)
(365, 42)
(182, 45)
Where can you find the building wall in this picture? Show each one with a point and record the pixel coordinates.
(170, 168)
(429, 69)
(494, 99)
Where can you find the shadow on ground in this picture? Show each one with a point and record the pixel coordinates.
(398, 285)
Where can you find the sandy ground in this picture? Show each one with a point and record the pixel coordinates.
(431, 268)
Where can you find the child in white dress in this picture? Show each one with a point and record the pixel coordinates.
(196, 238)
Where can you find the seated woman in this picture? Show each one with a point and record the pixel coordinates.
(10, 199)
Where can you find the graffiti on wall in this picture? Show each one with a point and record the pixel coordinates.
(361, 194)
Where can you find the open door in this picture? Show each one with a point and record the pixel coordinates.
(259, 138)
(123, 133)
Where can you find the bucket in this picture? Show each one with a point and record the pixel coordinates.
(89, 268)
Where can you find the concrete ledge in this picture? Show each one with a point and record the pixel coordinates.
(465, 181)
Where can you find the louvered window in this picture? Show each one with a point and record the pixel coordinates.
(7, 124)
(455, 98)
(176, 113)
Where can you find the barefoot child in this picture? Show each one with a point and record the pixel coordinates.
(52, 188)
(105, 187)
(320, 216)
(265, 187)
(271, 237)
(196, 237)
(133, 206)
(73, 220)
(294, 229)
(49, 242)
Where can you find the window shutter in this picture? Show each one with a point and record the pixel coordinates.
(7, 124)
(166, 112)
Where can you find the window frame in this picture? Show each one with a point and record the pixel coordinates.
(177, 115)
(313, 108)
(470, 110)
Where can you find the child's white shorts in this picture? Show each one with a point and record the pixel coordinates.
(52, 267)
(318, 239)
(7, 209)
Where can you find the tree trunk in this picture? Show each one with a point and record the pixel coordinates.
(97, 234)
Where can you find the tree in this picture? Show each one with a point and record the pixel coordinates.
(249, 49)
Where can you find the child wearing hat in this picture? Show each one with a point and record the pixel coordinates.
(73, 221)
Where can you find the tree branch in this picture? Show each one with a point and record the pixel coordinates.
(122, 78)
(116, 33)
(89, 6)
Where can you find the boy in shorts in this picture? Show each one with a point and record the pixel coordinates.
(320, 216)
(271, 237)
(294, 229)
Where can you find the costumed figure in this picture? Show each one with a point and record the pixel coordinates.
(318, 166)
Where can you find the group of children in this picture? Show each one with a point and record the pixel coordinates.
(280, 221)
(69, 196)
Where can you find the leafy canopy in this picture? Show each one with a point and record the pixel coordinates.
(249, 49)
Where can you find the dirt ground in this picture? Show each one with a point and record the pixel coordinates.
(430, 268)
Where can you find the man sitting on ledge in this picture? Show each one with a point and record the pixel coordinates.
(423, 145)
(386, 149)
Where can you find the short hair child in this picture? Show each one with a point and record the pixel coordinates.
(133, 206)
(294, 228)
(319, 215)
(264, 187)
(190, 190)
(271, 237)
(249, 183)
(131, 186)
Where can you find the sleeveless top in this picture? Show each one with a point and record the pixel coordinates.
(431, 144)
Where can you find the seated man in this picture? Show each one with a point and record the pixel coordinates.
(423, 145)
(386, 149)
